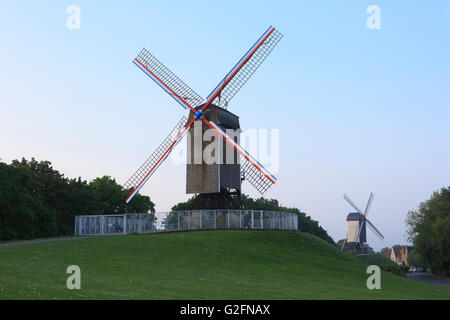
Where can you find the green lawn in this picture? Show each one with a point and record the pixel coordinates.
(198, 265)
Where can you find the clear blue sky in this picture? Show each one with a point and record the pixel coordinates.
(358, 110)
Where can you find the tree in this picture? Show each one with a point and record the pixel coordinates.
(109, 195)
(139, 204)
(184, 205)
(24, 213)
(110, 198)
(428, 228)
(38, 201)
(369, 249)
(340, 243)
(65, 197)
(415, 260)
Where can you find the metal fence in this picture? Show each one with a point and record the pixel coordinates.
(183, 221)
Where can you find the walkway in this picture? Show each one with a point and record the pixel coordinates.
(429, 278)
(7, 244)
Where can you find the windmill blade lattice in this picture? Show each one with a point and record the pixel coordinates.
(254, 176)
(369, 204)
(231, 87)
(366, 211)
(346, 197)
(160, 73)
(255, 172)
(375, 230)
(138, 178)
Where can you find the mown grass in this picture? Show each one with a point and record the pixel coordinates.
(198, 265)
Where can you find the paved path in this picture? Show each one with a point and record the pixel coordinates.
(429, 278)
(7, 244)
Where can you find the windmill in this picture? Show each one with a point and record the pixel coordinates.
(356, 227)
(215, 183)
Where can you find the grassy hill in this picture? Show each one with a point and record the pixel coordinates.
(376, 258)
(198, 265)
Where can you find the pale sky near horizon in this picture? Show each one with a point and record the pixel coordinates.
(358, 110)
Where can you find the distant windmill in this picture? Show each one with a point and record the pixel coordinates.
(356, 227)
(215, 183)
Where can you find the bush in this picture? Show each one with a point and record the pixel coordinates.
(395, 269)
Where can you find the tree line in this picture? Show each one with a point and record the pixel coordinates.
(37, 201)
(428, 228)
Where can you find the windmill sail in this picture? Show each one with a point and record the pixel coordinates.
(144, 172)
(369, 204)
(375, 230)
(167, 80)
(362, 229)
(346, 197)
(245, 68)
(257, 175)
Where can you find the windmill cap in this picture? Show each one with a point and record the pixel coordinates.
(354, 216)
(222, 117)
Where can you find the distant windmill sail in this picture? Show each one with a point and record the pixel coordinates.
(363, 218)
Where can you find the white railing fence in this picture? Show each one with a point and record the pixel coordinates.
(183, 221)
